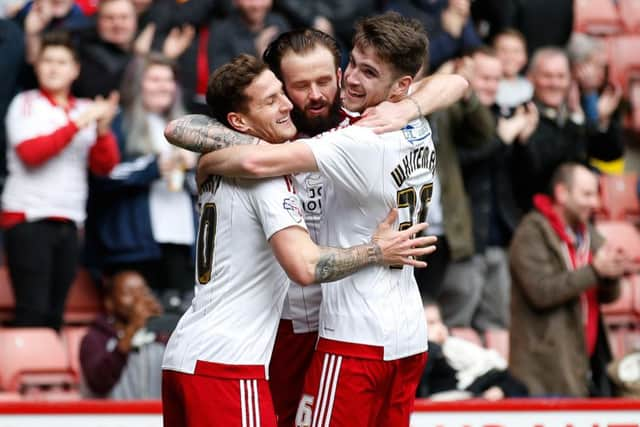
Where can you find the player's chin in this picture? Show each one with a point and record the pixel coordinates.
(288, 131)
(353, 103)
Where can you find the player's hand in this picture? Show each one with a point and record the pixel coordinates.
(265, 37)
(509, 128)
(493, 393)
(38, 17)
(388, 116)
(399, 247)
(109, 111)
(608, 102)
(610, 262)
(532, 119)
(323, 24)
(178, 40)
(142, 43)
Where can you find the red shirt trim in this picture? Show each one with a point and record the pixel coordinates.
(104, 154)
(71, 100)
(10, 219)
(223, 370)
(362, 351)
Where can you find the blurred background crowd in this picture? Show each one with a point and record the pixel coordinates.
(99, 214)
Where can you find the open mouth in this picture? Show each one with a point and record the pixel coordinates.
(283, 120)
(354, 94)
(317, 109)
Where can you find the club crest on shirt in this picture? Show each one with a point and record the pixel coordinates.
(291, 205)
(416, 131)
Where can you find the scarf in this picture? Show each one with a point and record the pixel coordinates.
(577, 247)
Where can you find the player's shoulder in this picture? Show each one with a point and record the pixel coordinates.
(350, 133)
(267, 186)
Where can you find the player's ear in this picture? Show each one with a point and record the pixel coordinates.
(238, 121)
(339, 76)
(400, 87)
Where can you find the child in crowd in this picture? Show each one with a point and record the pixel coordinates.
(460, 369)
(514, 89)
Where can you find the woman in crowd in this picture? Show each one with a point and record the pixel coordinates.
(142, 215)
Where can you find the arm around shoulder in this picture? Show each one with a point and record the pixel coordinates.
(439, 91)
(261, 161)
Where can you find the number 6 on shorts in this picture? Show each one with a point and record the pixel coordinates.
(305, 411)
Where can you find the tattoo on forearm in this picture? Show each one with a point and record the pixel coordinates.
(334, 263)
(202, 134)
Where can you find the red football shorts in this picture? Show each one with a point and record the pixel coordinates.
(290, 360)
(197, 400)
(342, 391)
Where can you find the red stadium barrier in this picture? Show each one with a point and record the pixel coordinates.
(468, 413)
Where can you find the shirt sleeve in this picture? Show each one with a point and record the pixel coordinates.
(277, 206)
(33, 146)
(351, 158)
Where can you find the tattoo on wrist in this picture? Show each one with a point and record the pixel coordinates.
(202, 134)
(335, 264)
(374, 252)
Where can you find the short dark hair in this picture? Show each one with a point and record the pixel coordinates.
(227, 85)
(402, 42)
(59, 38)
(484, 50)
(299, 41)
(564, 174)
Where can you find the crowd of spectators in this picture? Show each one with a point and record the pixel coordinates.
(90, 85)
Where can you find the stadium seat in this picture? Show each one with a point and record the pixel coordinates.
(621, 312)
(617, 340)
(498, 340)
(7, 301)
(468, 334)
(597, 17)
(32, 357)
(84, 302)
(10, 396)
(619, 196)
(72, 337)
(621, 234)
(630, 15)
(623, 340)
(634, 279)
(633, 121)
(624, 61)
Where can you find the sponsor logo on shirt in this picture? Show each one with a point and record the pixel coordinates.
(290, 204)
(313, 194)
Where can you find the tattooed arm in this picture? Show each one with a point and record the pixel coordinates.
(307, 263)
(202, 134)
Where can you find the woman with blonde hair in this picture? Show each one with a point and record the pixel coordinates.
(143, 213)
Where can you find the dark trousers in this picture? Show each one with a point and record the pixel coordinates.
(431, 278)
(42, 257)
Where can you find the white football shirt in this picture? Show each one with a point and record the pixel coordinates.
(377, 306)
(302, 304)
(58, 187)
(240, 287)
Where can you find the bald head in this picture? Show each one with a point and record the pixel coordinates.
(550, 76)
